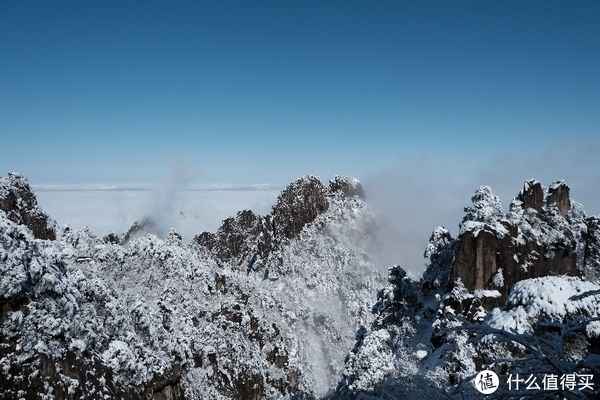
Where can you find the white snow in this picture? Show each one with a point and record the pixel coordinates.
(144, 304)
(553, 297)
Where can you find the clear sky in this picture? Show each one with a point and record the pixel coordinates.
(253, 91)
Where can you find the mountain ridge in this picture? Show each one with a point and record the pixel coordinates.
(289, 305)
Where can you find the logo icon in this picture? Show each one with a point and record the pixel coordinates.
(486, 382)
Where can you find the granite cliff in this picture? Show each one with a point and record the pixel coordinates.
(542, 234)
(517, 292)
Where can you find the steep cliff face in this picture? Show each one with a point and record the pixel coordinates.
(542, 234)
(20, 205)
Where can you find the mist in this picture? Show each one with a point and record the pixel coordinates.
(160, 214)
(413, 197)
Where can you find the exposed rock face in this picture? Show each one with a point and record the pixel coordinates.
(558, 195)
(75, 377)
(457, 301)
(539, 236)
(297, 205)
(238, 237)
(480, 256)
(346, 186)
(20, 205)
(532, 196)
(248, 239)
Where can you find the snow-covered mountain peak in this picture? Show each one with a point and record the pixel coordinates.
(268, 312)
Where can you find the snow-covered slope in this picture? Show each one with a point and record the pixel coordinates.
(289, 305)
(156, 317)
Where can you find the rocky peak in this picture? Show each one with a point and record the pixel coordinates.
(20, 205)
(495, 249)
(346, 186)
(439, 255)
(558, 195)
(249, 239)
(532, 196)
(246, 234)
(297, 205)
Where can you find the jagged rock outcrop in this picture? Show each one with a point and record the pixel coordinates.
(245, 235)
(475, 308)
(297, 205)
(532, 196)
(558, 196)
(542, 234)
(346, 186)
(20, 205)
(248, 239)
(439, 256)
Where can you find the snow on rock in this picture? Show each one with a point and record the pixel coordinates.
(439, 255)
(543, 233)
(287, 304)
(20, 205)
(346, 186)
(152, 317)
(553, 297)
(486, 210)
(375, 360)
(498, 297)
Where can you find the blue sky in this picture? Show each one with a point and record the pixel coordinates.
(108, 91)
